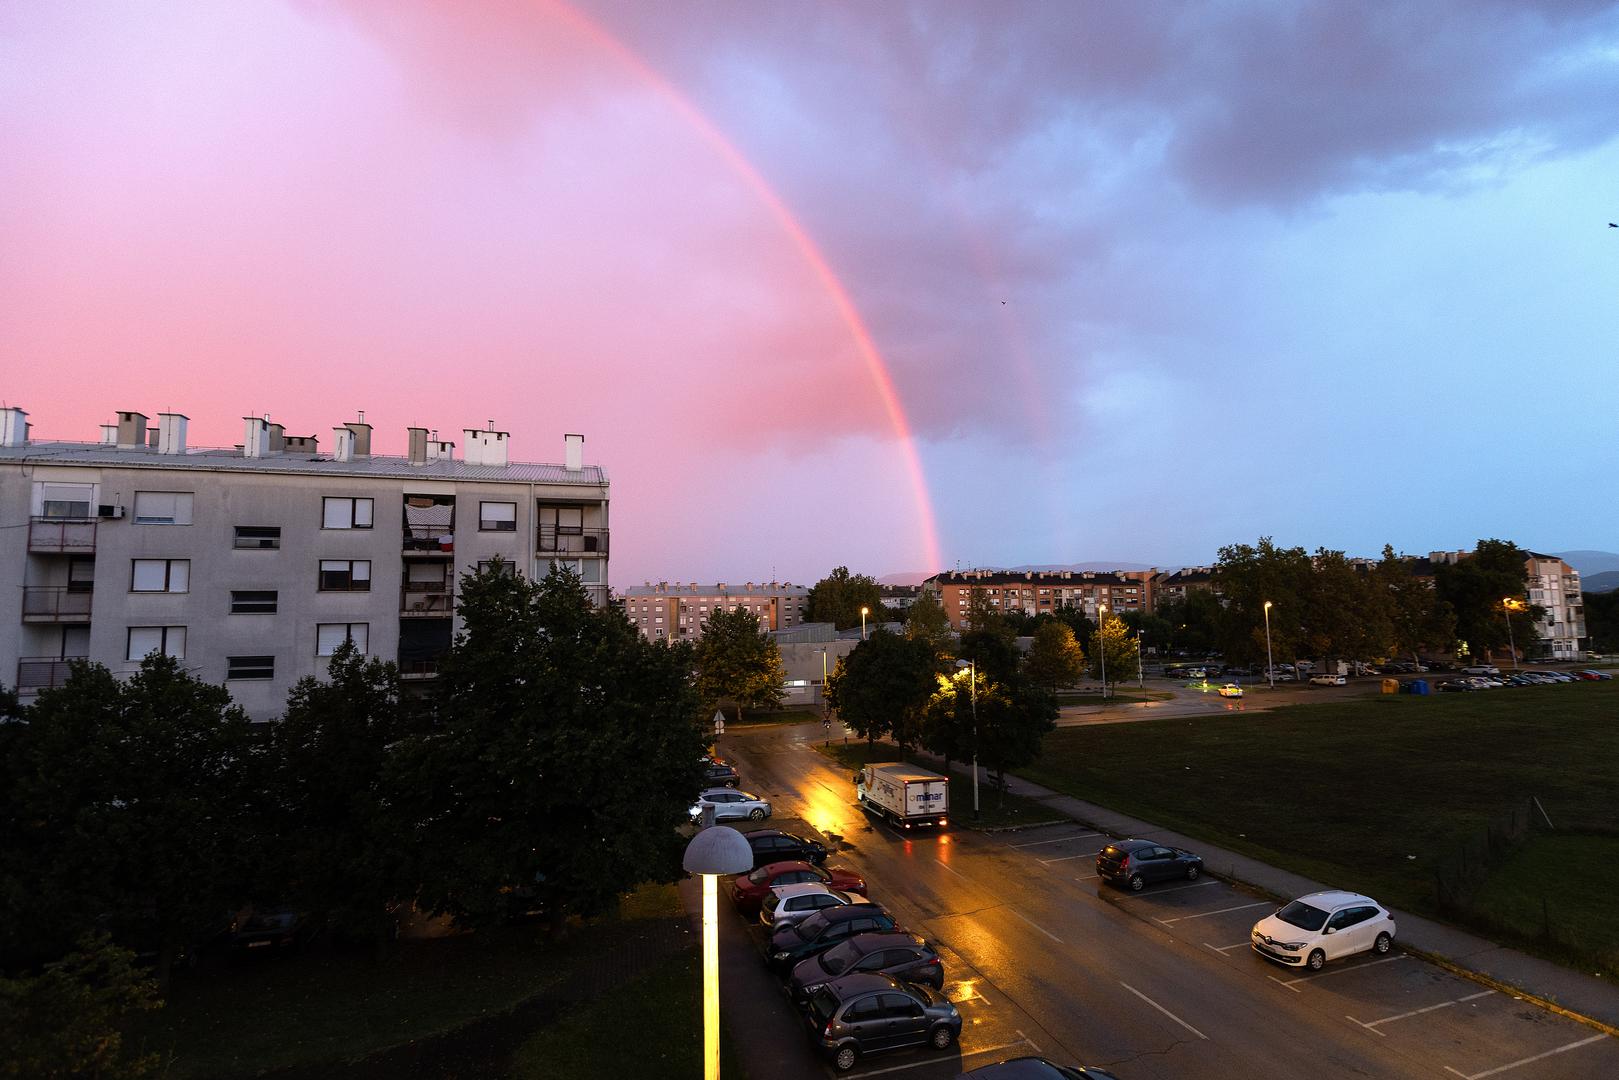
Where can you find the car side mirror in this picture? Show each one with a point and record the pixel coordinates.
(1332, 929)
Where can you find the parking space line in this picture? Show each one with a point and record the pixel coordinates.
(1283, 985)
(1223, 949)
(1525, 1061)
(1059, 840)
(1036, 925)
(1028, 1040)
(1343, 970)
(1373, 1025)
(1087, 877)
(1160, 892)
(1222, 911)
(934, 1061)
(952, 869)
(1165, 1011)
(1068, 858)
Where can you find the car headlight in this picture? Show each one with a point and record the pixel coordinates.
(779, 956)
(1290, 946)
(813, 989)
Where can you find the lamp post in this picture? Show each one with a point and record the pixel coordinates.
(1141, 669)
(1101, 644)
(715, 850)
(863, 613)
(1506, 609)
(1270, 668)
(972, 674)
(826, 717)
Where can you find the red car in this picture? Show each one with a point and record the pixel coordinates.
(748, 891)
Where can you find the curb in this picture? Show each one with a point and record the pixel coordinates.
(1012, 828)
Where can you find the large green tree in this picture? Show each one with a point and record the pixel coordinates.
(1013, 720)
(1055, 657)
(1250, 575)
(926, 621)
(737, 662)
(1191, 624)
(1345, 614)
(1484, 589)
(66, 1022)
(1602, 620)
(838, 598)
(1114, 641)
(1419, 621)
(882, 687)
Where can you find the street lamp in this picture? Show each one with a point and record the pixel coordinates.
(863, 613)
(1506, 609)
(1141, 669)
(1270, 668)
(715, 850)
(826, 717)
(1101, 645)
(972, 673)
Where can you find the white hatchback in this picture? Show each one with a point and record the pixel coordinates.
(788, 905)
(1323, 926)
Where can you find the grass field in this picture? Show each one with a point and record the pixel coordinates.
(997, 810)
(750, 717)
(1370, 793)
(1116, 696)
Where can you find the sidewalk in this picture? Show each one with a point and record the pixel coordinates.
(1586, 997)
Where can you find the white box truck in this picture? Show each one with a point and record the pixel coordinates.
(903, 794)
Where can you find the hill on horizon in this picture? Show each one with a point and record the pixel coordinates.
(1606, 581)
(1590, 562)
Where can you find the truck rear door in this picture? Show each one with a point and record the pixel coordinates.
(925, 797)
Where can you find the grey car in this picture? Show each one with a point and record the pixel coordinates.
(729, 805)
(868, 1013)
(904, 956)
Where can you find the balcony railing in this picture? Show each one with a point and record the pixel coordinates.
(55, 604)
(419, 669)
(427, 598)
(42, 672)
(428, 540)
(56, 536)
(571, 540)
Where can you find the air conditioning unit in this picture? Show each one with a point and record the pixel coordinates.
(110, 510)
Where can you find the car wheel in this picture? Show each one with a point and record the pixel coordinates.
(1137, 882)
(845, 1058)
(756, 814)
(1383, 943)
(942, 1037)
(1317, 960)
(1192, 872)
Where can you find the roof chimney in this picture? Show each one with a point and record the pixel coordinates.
(303, 444)
(131, 430)
(574, 452)
(439, 450)
(109, 434)
(278, 438)
(171, 428)
(362, 436)
(255, 436)
(13, 427)
(343, 449)
(151, 438)
(486, 447)
(416, 437)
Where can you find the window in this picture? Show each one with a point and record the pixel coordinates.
(507, 567)
(329, 636)
(253, 603)
(160, 575)
(250, 667)
(497, 516)
(65, 500)
(864, 1009)
(168, 640)
(345, 575)
(589, 570)
(163, 508)
(81, 574)
(258, 536)
(346, 513)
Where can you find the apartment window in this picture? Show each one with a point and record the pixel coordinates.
(160, 575)
(497, 516)
(250, 667)
(330, 636)
(65, 500)
(163, 508)
(346, 513)
(659, 632)
(81, 574)
(589, 570)
(507, 567)
(266, 537)
(345, 575)
(168, 640)
(260, 602)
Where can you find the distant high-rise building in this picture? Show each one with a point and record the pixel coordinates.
(671, 611)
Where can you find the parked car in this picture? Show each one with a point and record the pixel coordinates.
(863, 1013)
(790, 904)
(1138, 863)
(748, 891)
(773, 845)
(1328, 680)
(729, 805)
(1035, 1068)
(1481, 669)
(1605, 676)
(1323, 926)
(904, 956)
(272, 929)
(792, 945)
(1230, 690)
(718, 774)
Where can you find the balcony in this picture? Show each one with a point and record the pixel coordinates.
(419, 669)
(572, 540)
(61, 536)
(429, 541)
(427, 599)
(55, 604)
(35, 673)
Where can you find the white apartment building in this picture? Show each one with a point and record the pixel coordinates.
(676, 612)
(1555, 585)
(253, 564)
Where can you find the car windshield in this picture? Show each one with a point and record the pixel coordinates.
(1302, 915)
(837, 959)
(823, 1005)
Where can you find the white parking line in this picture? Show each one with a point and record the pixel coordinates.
(1087, 877)
(1160, 892)
(1165, 1011)
(1059, 840)
(1417, 1012)
(1028, 1040)
(1068, 858)
(1036, 925)
(1524, 1061)
(934, 1061)
(1223, 949)
(1340, 971)
(1222, 911)
(952, 869)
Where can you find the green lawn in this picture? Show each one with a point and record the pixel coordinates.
(1366, 793)
(1531, 897)
(1128, 696)
(750, 717)
(997, 810)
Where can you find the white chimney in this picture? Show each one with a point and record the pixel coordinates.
(343, 447)
(171, 433)
(486, 447)
(255, 436)
(109, 434)
(13, 427)
(131, 430)
(574, 448)
(438, 450)
(416, 445)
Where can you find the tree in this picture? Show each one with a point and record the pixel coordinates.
(1191, 624)
(926, 621)
(565, 754)
(1602, 620)
(984, 616)
(1248, 576)
(736, 661)
(1475, 588)
(1074, 618)
(994, 650)
(1055, 659)
(1344, 614)
(949, 726)
(838, 598)
(1013, 721)
(1418, 619)
(66, 1022)
(1114, 640)
(882, 687)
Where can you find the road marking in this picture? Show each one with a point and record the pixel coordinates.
(1525, 1061)
(1068, 858)
(1165, 1011)
(952, 869)
(934, 1061)
(1028, 1040)
(1036, 925)
(1059, 840)
(1417, 1012)
(1087, 877)
(1283, 985)
(1223, 949)
(1222, 911)
(1160, 892)
(1343, 970)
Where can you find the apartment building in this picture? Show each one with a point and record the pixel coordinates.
(1555, 585)
(254, 563)
(676, 612)
(1178, 584)
(1032, 592)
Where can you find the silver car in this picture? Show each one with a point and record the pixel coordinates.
(788, 905)
(730, 804)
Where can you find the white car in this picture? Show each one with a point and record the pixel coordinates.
(1328, 680)
(730, 804)
(1323, 926)
(788, 905)
(1481, 669)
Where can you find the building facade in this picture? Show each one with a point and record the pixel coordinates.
(253, 564)
(1176, 585)
(1555, 585)
(1033, 592)
(672, 611)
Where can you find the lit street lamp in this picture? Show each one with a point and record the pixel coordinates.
(863, 613)
(715, 850)
(1506, 609)
(972, 674)
(1101, 645)
(1141, 669)
(1270, 668)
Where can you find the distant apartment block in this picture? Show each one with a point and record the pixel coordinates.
(671, 611)
(1555, 586)
(1034, 592)
(253, 564)
(1176, 585)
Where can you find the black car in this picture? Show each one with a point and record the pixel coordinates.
(862, 1013)
(773, 845)
(1035, 1068)
(791, 945)
(719, 774)
(1137, 863)
(272, 929)
(904, 956)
